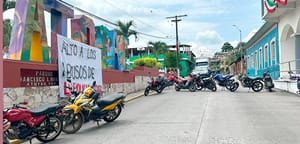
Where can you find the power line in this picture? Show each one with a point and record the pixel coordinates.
(135, 17)
(105, 20)
(176, 20)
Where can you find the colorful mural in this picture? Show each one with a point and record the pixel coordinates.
(59, 23)
(110, 51)
(29, 40)
(102, 41)
(113, 46)
(83, 30)
(122, 43)
(17, 37)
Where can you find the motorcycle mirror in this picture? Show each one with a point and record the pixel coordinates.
(94, 83)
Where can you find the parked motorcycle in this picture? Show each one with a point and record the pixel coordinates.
(226, 81)
(6, 125)
(254, 83)
(205, 81)
(298, 85)
(189, 84)
(157, 85)
(88, 106)
(268, 81)
(42, 123)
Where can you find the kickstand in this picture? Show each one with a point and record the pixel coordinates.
(98, 123)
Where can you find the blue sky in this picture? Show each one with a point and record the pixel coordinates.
(207, 26)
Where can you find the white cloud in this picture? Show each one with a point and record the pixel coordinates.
(206, 43)
(208, 37)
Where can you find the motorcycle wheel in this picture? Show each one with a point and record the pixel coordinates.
(113, 114)
(72, 123)
(199, 86)
(146, 92)
(270, 89)
(50, 129)
(257, 86)
(177, 88)
(234, 87)
(192, 88)
(213, 87)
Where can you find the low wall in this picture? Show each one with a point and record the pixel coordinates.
(286, 85)
(36, 96)
(113, 81)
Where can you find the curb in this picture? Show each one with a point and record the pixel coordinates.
(134, 97)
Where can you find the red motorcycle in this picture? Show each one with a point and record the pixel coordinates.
(43, 122)
(189, 83)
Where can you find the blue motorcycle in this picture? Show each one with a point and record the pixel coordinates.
(226, 81)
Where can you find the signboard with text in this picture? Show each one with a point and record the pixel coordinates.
(36, 78)
(78, 62)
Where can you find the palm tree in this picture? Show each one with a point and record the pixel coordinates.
(158, 48)
(124, 29)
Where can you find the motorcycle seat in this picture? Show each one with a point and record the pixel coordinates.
(107, 100)
(44, 109)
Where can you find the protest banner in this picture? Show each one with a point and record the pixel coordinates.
(78, 62)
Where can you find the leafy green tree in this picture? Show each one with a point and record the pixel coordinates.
(170, 60)
(7, 28)
(227, 47)
(7, 25)
(158, 47)
(124, 29)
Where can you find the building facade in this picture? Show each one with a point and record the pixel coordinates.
(262, 51)
(287, 15)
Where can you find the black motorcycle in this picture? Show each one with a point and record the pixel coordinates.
(157, 85)
(268, 81)
(254, 83)
(205, 81)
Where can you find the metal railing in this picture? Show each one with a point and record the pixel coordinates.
(289, 69)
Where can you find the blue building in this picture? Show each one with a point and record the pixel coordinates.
(262, 51)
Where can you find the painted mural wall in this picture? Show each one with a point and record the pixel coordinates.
(29, 37)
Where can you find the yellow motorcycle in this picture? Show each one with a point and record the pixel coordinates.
(88, 106)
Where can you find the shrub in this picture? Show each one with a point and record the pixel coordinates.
(147, 62)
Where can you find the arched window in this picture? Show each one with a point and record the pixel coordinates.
(256, 60)
(266, 54)
(273, 50)
(260, 58)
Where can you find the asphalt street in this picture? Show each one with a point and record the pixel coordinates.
(203, 117)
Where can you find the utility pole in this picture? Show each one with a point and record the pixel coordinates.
(240, 45)
(176, 20)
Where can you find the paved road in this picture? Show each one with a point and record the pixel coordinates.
(204, 117)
